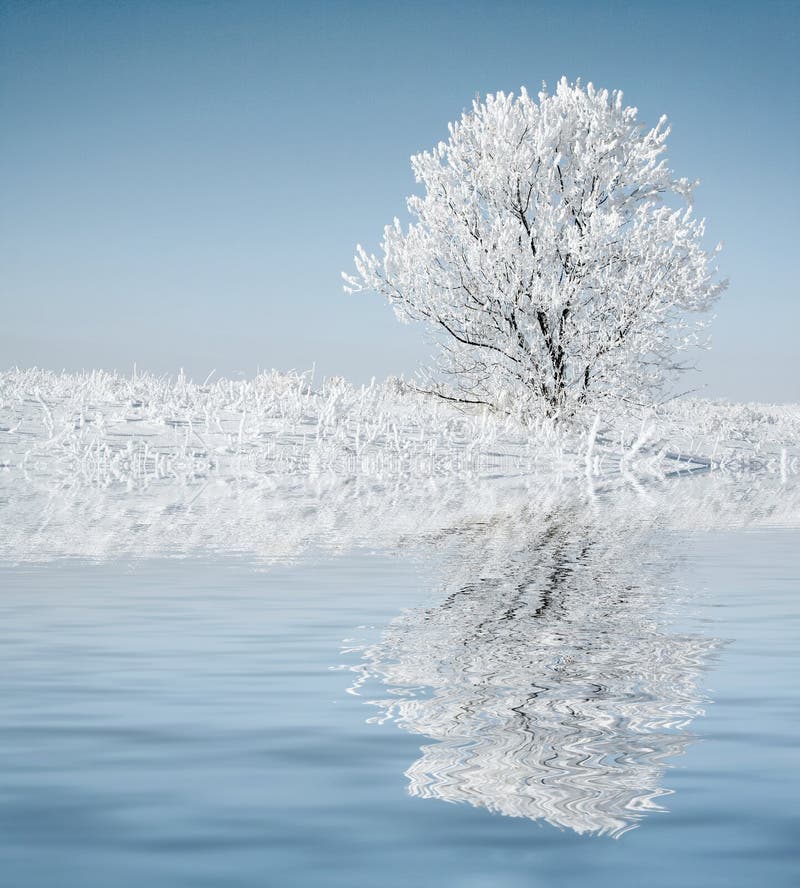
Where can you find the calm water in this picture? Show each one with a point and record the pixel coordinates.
(570, 704)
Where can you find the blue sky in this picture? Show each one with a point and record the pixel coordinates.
(184, 181)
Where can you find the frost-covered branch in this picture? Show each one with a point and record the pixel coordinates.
(551, 234)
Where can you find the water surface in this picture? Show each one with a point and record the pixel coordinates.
(558, 695)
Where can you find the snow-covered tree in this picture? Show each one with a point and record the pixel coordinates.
(553, 253)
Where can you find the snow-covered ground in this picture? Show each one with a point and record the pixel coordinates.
(104, 428)
(98, 464)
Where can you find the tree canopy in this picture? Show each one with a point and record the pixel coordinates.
(553, 254)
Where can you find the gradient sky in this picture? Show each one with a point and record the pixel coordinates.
(184, 181)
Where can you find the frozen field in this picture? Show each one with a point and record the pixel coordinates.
(100, 428)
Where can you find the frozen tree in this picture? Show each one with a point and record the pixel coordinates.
(553, 254)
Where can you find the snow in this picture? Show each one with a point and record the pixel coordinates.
(97, 464)
(105, 429)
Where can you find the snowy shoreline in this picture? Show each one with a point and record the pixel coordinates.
(104, 429)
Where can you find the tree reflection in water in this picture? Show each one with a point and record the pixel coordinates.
(547, 677)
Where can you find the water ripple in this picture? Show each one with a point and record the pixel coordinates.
(547, 676)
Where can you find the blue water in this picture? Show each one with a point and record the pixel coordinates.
(170, 722)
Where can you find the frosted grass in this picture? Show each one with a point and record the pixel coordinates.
(108, 429)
